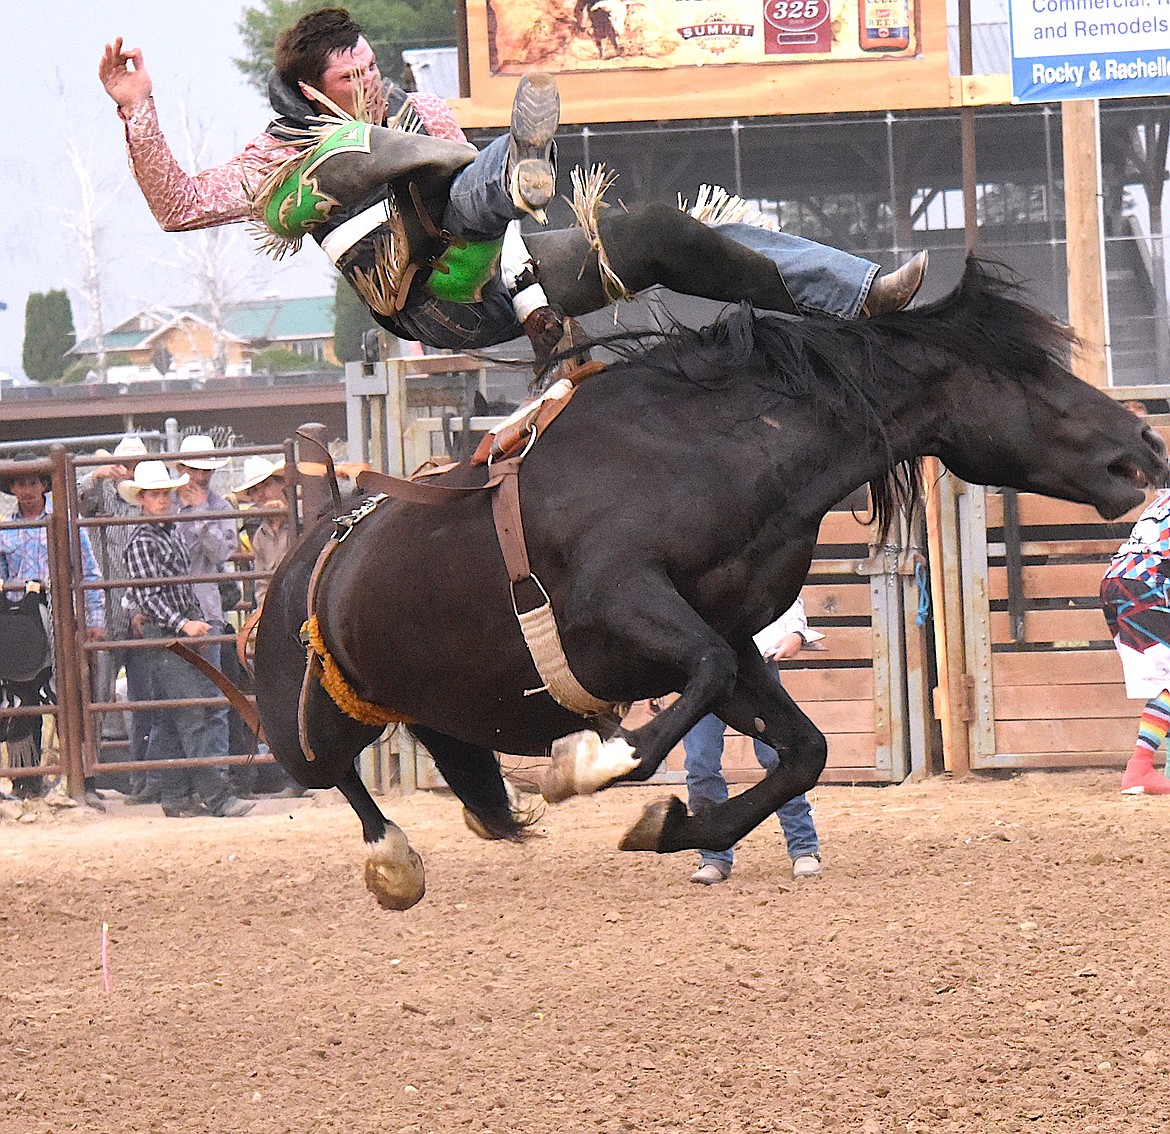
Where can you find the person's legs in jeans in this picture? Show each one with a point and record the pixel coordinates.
(480, 206)
(820, 278)
(706, 785)
(182, 732)
(795, 816)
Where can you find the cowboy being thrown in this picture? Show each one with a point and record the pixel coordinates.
(425, 227)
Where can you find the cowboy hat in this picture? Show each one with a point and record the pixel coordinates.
(257, 470)
(148, 474)
(130, 448)
(197, 443)
(6, 479)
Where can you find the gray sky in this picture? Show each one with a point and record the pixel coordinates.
(49, 52)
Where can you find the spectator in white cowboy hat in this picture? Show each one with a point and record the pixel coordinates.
(156, 552)
(210, 544)
(97, 496)
(264, 486)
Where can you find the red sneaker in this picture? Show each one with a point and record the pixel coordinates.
(1140, 778)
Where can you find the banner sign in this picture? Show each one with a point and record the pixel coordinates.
(1066, 49)
(596, 35)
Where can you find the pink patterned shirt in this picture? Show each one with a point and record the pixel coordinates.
(219, 195)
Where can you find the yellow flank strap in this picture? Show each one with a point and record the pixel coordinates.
(339, 689)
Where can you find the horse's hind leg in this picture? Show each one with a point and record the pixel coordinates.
(394, 871)
(473, 774)
(758, 698)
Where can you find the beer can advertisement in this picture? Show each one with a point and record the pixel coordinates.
(597, 35)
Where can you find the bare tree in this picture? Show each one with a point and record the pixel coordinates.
(84, 225)
(206, 256)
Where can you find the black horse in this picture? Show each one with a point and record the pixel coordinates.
(671, 511)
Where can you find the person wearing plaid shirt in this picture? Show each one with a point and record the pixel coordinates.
(157, 552)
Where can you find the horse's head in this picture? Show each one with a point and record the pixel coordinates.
(1021, 419)
(1066, 440)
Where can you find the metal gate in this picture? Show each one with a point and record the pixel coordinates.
(1035, 681)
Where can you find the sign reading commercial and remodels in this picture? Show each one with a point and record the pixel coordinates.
(1067, 49)
(602, 35)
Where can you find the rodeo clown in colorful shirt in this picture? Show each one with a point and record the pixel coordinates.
(1135, 595)
(425, 227)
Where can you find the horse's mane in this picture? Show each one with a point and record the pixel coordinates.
(982, 321)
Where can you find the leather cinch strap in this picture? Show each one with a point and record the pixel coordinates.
(538, 625)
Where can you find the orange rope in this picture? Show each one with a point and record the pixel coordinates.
(340, 689)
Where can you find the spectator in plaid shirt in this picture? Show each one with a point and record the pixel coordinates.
(157, 552)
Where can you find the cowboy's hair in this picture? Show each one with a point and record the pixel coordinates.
(303, 50)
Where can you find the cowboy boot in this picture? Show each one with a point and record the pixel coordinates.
(536, 112)
(894, 291)
(1140, 778)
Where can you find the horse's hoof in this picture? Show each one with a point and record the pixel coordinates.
(646, 834)
(522, 815)
(394, 874)
(582, 763)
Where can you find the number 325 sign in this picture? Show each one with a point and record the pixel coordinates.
(797, 27)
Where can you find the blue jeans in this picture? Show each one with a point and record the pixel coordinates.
(706, 788)
(184, 733)
(821, 279)
(137, 666)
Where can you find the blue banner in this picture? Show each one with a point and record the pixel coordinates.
(1066, 49)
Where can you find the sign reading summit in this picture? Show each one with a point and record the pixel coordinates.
(1064, 49)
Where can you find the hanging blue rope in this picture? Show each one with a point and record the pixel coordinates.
(920, 577)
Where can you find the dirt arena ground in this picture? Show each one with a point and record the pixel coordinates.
(978, 956)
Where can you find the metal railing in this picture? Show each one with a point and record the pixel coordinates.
(78, 712)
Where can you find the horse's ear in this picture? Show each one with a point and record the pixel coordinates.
(479, 404)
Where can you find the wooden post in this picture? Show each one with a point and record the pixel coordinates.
(945, 588)
(316, 492)
(67, 650)
(1088, 307)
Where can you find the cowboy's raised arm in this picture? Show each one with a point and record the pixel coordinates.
(179, 202)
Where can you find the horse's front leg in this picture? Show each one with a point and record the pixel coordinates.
(663, 629)
(758, 706)
(394, 871)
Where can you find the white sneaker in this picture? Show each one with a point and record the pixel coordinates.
(711, 875)
(807, 866)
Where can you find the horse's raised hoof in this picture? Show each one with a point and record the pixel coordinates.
(646, 834)
(394, 873)
(582, 763)
(525, 816)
